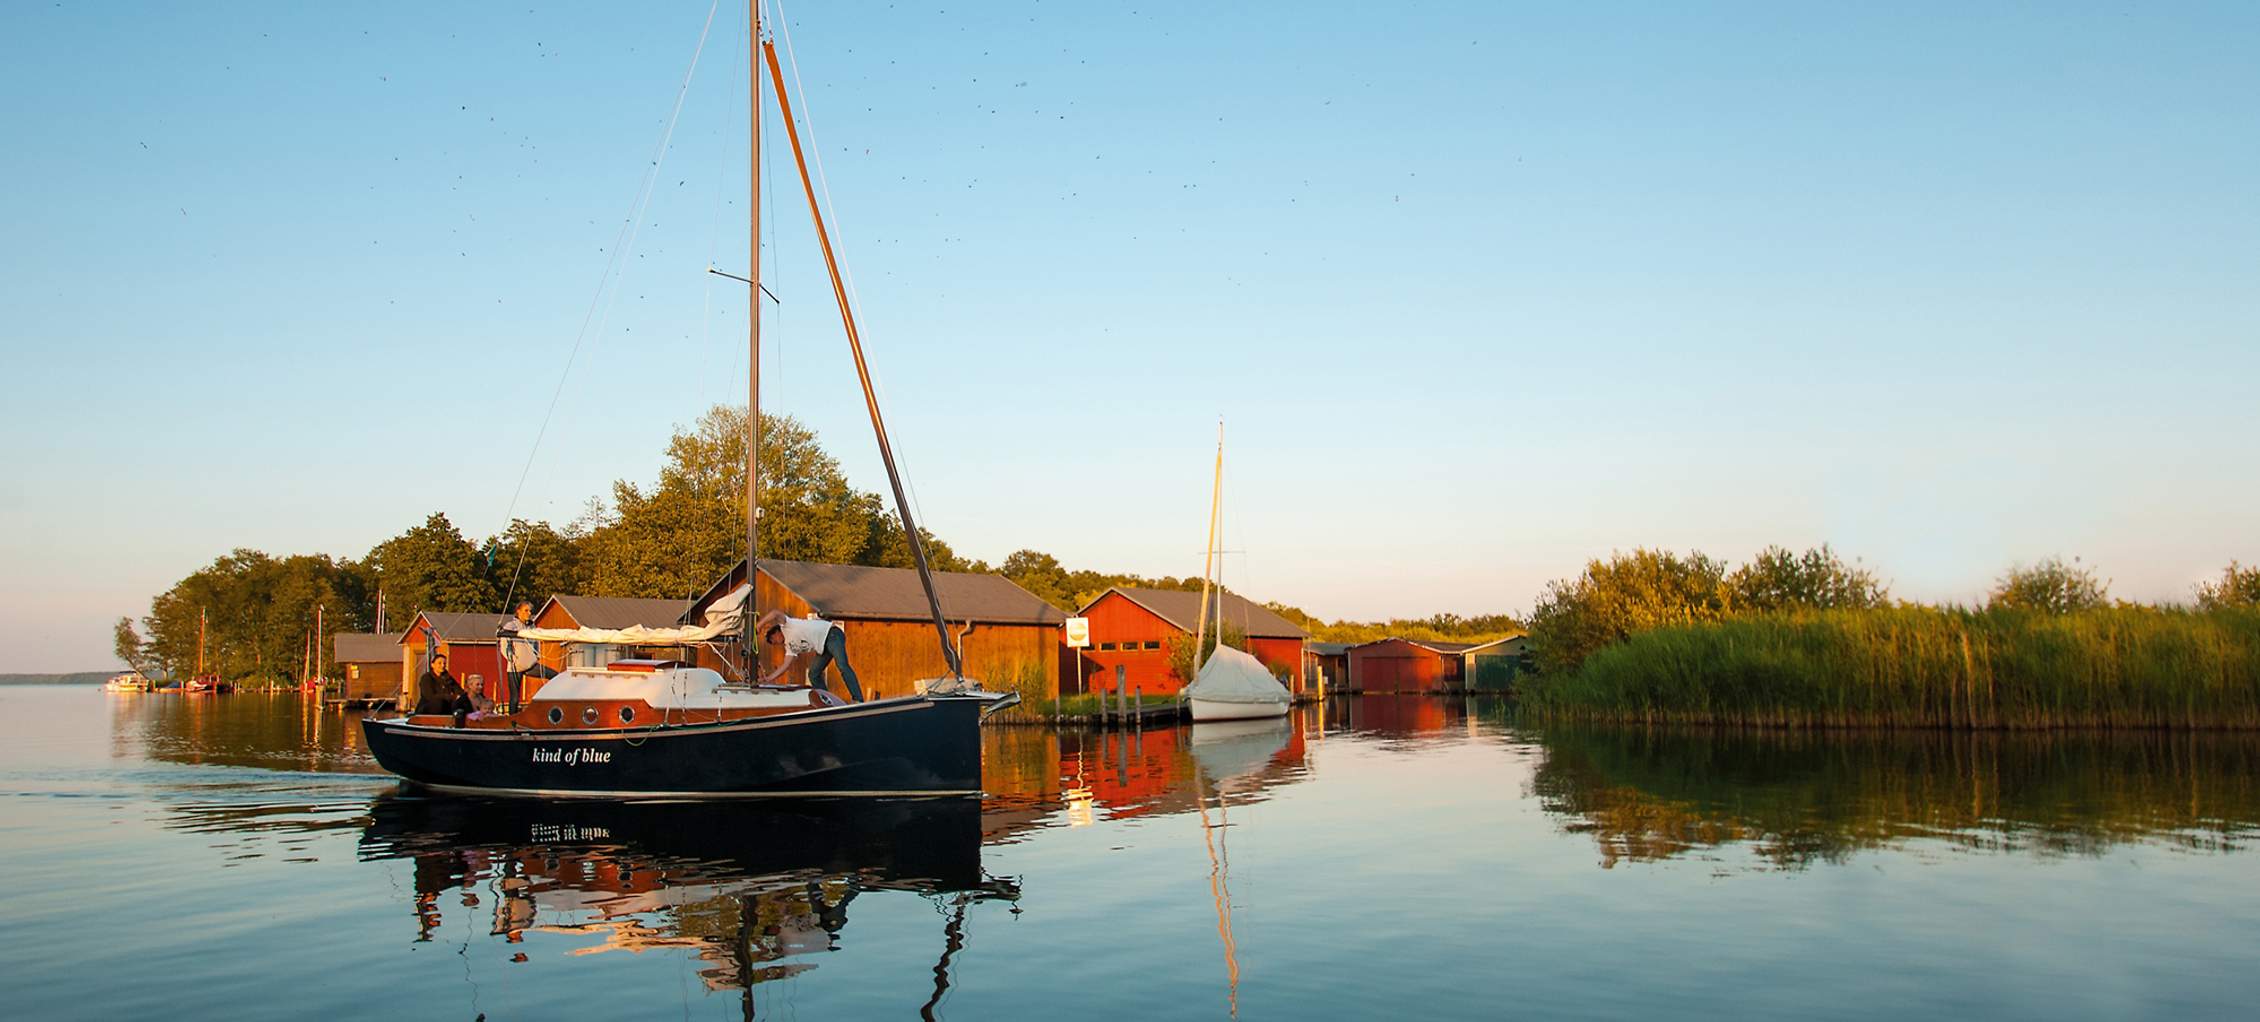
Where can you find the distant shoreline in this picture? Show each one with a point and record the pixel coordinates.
(69, 678)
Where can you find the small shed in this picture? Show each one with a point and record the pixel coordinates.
(1492, 666)
(1131, 630)
(1408, 665)
(1007, 637)
(563, 611)
(368, 665)
(469, 642)
(1326, 665)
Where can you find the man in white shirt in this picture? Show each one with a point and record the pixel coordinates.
(812, 641)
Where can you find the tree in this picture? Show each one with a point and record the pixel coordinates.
(132, 648)
(1778, 580)
(681, 534)
(1625, 594)
(1040, 573)
(1181, 660)
(2238, 586)
(2051, 586)
(432, 567)
(532, 561)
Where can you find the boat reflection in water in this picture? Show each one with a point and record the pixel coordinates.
(749, 890)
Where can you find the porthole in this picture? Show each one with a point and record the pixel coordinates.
(557, 715)
(588, 715)
(627, 715)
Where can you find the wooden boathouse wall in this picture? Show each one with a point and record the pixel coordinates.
(1399, 665)
(1125, 634)
(890, 652)
(1128, 636)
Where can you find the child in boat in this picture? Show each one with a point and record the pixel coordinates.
(810, 640)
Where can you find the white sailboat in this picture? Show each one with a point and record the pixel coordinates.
(1230, 685)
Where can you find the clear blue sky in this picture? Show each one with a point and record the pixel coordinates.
(1481, 290)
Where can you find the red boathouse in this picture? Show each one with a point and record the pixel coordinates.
(1131, 629)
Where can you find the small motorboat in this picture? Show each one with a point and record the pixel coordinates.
(131, 681)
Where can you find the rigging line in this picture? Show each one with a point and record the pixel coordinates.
(632, 229)
(831, 211)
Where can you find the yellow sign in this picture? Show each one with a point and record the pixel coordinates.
(1078, 632)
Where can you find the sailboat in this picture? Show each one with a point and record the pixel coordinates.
(667, 729)
(1230, 685)
(202, 683)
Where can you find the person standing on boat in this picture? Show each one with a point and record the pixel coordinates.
(515, 652)
(810, 640)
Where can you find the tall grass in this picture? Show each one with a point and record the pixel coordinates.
(2116, 667)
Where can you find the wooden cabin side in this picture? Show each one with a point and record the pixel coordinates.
(1127, 635)
(1395, 665)
(1280, 654)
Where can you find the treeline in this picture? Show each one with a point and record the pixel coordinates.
(668, 539)
(1806, 640)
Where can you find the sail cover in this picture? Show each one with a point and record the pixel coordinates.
(1231, 676)
(722, 618)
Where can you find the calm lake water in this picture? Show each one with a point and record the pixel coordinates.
(240, 857)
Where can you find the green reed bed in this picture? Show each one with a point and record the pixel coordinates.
(1926, 667)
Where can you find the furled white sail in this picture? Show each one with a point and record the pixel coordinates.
(723, 618)
(1231, 676)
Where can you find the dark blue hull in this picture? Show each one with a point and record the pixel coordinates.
(910, 746)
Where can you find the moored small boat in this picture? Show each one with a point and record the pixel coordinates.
(130, 681)
(1235, 686)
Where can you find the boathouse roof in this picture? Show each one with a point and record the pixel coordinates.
(1329, 648)
(617, 611)
(456, 627)
(1182, 609)
(859, 592)
(365, 648)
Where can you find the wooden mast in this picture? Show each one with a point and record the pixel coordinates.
(1208, 563)
(748, 612)
(862, 371)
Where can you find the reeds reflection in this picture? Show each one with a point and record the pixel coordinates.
(1799, 798)
(750, 890)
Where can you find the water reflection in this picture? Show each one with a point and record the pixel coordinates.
(276, 731)
(1797, 799)
(751, 891)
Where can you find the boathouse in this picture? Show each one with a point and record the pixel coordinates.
(1131, 630)
(468, 640)
(368, 665)
(1326, 664)
(609, 612)
(1408, 665)
(1008, 637)
(1492, 666)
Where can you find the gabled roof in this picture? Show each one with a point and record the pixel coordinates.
(1439, 646)
(1182, 609)
(454, 627)
(618, 611)
(364, 648)
(854, 592)
(1430, 645)
(1481, 646)
(1329, 648)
